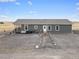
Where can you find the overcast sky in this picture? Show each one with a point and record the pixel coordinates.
(10, 10)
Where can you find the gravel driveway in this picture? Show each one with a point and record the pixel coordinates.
(22, 46)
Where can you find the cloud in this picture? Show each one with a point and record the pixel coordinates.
(30, 3)
(5, 18)
(7, 0)
(33, 12)
(17, 3)
(73, 17)
(77, 3)
(77, 8)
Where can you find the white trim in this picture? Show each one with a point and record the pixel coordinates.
(36, 27)
(45, 28)
(24, 26)
(56, 28)
(50, 28)
(27, 27)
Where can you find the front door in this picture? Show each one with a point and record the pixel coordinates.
(45, 27)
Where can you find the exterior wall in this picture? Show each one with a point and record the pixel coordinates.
(31, 27)
(63, 28)
(18, 28)
(66, 28)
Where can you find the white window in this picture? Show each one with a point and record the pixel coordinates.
(57, 28)
(35, 26)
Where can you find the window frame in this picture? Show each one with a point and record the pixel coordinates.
(57, 28)
(50, 28)
(35, 27)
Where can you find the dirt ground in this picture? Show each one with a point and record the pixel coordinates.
(22, 46)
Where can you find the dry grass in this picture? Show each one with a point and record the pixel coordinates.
(7, 26)
(75, 26)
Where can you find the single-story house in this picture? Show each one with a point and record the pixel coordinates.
(37, 25)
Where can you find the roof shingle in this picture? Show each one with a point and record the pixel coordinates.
(42, 21)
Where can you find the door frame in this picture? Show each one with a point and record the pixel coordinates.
(45, 27)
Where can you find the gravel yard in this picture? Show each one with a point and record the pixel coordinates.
(22, 46)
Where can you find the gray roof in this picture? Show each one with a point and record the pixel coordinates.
(42, 21)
